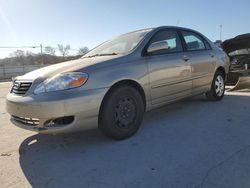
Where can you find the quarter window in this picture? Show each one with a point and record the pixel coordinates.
(193, 41)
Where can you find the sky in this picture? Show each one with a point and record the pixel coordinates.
(90, 22)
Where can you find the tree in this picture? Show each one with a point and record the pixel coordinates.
(18, 53)
(49, 50)
(83, 50)
(29, 58)
(64, 50)
(18, 56)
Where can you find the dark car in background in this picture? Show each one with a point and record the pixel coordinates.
(238, 49)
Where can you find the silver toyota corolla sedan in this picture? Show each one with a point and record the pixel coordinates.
(115, 83)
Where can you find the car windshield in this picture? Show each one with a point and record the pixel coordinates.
(119, 45)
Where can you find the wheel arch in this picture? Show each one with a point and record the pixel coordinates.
(127, 82)
(222, 70)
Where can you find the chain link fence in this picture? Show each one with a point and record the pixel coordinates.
(8, 72)
(15, 61)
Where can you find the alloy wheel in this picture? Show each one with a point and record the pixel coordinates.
(219, 85)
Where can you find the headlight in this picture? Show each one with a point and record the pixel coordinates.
(62, 82)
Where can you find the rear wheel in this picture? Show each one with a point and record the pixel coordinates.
(217, 90)
(121, 112)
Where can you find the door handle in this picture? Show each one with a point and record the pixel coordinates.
(211, 55)
(185, 58)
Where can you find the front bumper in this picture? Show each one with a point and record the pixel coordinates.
(82, 105)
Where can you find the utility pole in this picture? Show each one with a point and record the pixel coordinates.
(41, 47)
(220, 32)
(178, 22)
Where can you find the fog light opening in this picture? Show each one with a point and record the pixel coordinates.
(62, 121)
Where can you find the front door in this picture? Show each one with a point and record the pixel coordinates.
(169, 72)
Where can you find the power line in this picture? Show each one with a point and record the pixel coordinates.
(19, 46)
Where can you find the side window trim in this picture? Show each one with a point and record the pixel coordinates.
(144, 51)
(205, 42)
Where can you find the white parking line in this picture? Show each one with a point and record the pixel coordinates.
(4, 83)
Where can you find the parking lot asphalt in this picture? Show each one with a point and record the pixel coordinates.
(193, 143)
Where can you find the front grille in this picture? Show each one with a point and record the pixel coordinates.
(20, 87)
(26, 121)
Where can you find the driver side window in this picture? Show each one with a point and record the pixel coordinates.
(171, 38)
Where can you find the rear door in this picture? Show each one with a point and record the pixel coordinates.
(169, 73)
(201, 58)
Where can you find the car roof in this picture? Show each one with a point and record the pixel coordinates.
(163, 27)
(173, 27)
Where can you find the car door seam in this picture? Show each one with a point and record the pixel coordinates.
(181, 81)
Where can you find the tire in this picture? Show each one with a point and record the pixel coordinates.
(121, 112)
(217, 90)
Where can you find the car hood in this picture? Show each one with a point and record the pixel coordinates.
(68, 66)
(237, 43)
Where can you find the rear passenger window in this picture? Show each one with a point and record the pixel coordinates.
(193, 41)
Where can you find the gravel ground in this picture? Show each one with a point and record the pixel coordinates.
(193, 143)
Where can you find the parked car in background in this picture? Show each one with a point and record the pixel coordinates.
(115, 83)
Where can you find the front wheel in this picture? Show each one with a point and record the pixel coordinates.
(121, 112)
(217, 90)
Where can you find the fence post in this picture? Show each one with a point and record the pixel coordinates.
(23, 66)
(4, 73)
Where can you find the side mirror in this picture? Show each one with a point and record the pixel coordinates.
(157, 47)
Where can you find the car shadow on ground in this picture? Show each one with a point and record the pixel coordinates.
(176, 147)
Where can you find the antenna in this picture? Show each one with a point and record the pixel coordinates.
(220, 32)
(178, 22)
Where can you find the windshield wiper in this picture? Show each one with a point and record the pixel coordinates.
(107, 54)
